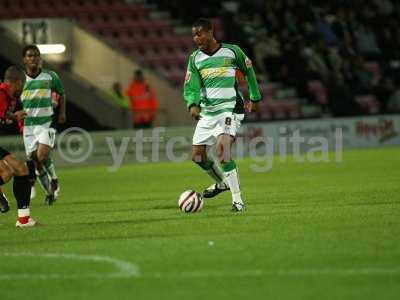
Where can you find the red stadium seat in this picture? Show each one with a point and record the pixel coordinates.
(368, 103)
(375, 69)
(318, 90)
(124, 24)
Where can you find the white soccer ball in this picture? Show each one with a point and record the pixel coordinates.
(190, 201)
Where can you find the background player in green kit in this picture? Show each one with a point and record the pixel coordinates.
(39, 136)
(212, 97)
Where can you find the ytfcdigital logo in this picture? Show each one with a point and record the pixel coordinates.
(75, 146)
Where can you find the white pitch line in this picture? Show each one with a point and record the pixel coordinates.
(373, 271)
(201, 274)
(124, 269)
(290, 272)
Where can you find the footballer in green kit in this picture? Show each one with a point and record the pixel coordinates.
(39, 134)
(212, 97)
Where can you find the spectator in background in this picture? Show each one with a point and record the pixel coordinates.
(389, 39)
(294, 67)
(384, 7)
(291, 23)
(142, 101)
(267, 53)
(342, 27)
(362, 82)
(366, 42)
(384, 91)
(316, 64)
(394, 102)
(324, 29)
(118, 96)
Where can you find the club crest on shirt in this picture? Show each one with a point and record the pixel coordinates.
(188, 76)
(248, 62)
(228, 62)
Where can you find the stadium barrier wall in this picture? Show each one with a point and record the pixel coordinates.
(76, 147)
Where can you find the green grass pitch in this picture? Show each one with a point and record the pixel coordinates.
(311, 231)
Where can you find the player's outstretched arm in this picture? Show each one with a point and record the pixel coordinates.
(246, 66)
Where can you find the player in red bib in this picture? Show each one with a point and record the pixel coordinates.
(10, 166)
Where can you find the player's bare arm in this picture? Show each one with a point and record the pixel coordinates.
(195, 112)
(251, 106)
(17, 116)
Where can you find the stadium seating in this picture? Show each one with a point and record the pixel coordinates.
(368, 103)
(317, 89)
(374, 68)
(138, 29)
(128, 26)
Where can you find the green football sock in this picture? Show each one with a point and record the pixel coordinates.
(45, 182)
(212, 170)
(50, 168)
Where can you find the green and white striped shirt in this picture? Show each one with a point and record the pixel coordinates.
(211, 80)
(36, 97)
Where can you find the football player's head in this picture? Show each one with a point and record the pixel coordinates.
(203, 34)
(15, 77)
(31, 57)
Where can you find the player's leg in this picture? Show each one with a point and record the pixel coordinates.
(203, 137)
(199, 156)
(40, 156)
(224, 146)
(41, 174)
(31, 144)
(21, 188)
(32, 175)
(6, 173)
(51, 171)
(46, 139)
(5, 176)
(4, 205)
(228, 126)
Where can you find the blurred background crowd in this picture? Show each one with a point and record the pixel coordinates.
(342, 55)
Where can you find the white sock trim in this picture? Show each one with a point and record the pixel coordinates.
(24, 212)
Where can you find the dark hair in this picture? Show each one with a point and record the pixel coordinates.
(29, 47)
(205, 23)
(14, 73)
